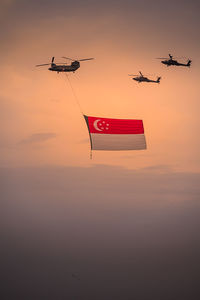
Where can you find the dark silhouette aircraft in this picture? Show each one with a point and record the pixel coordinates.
(142, 78)
(172, 62)
(75, 64)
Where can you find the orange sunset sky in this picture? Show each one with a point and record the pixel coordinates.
(123, 225)
(123, 39)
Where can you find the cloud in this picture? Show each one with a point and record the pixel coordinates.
(113, 226)
(38, 138)
(158, 168)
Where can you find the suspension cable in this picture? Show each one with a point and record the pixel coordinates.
(75, 96)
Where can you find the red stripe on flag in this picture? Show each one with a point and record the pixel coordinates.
(114, 126)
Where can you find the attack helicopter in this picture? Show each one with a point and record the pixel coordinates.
(142, 78)
(172, 62)
(64, 67)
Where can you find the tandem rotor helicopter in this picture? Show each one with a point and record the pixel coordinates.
(142, 78)
(172, 62)
(64, 67)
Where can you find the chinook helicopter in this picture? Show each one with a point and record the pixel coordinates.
(141, 78)
(64, 67)
(172, 62)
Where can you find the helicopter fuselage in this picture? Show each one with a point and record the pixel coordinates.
(65, 68)
(140, 79)
(172, 62)
(145, 79)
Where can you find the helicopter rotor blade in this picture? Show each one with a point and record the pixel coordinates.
(177, 57)
(43, 65)
(180, 57)
(141, 74)
(52, 59)
(68, 58)
(77, 59)
(85, 59)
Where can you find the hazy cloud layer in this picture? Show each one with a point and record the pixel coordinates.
(38, 138)
(125, 234)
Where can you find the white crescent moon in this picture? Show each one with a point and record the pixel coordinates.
(95, 125)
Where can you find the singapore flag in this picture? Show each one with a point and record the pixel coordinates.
(116, 134)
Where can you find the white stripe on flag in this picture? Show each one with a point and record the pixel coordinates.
(118, 141)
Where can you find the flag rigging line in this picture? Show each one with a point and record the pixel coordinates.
(81, 111)
(75, 96)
